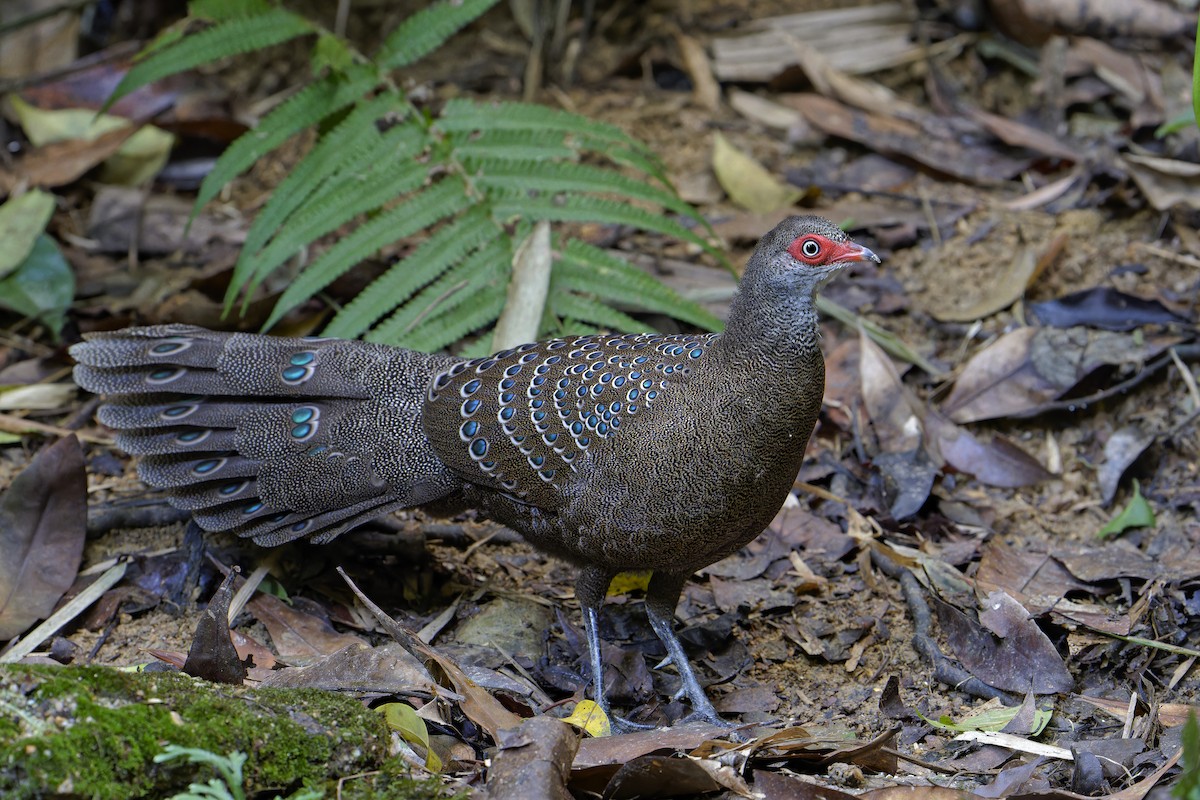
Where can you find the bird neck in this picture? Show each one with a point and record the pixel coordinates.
(765, 330)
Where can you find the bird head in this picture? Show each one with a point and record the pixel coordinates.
(803, 254)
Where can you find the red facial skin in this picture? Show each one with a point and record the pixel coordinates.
(826, 250)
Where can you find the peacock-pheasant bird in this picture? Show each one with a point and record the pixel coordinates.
(613, 452)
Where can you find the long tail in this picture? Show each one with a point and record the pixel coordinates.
(267, 437)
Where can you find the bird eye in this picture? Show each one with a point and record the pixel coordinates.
(810, 248)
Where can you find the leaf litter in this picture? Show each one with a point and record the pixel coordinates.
(982, 490)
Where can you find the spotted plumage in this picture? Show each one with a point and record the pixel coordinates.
(551, 403)
(614, 452)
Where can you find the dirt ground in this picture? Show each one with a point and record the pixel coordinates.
(824, 638)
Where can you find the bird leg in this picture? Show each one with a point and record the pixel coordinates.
(662, 596)
(590, 588)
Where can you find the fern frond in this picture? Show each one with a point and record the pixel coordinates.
(300, 111)
(634, 157)
(317, 219)
(483, 309)
(587, 269)
(434, 256)
(420, 211)
(555, 177)
(384, 170)
(568, 304)
(488, 263)
(512, 146)
(465, 115)
(426, 30)
(337, 147)
(585, 208)
(227, 38)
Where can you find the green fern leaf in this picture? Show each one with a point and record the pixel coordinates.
(233, 36)
(221, 10)
(447, 247)
(422, 210)
(449, 292)
(585, 208)
(556, 177)
(316, 219)
(463, 115)
(337, 147)
(587, 269)
(360, 186)
(425, 31)
(484, 309)
(305, 108)
(568, 304)
(512, 146)
(637, 158)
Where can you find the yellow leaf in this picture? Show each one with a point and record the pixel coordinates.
(590, 718)
(626, 582)
(747, 182)
(403, 719)
(137, 161)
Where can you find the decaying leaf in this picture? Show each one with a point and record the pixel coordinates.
(212, 655)
(1028, 368)
(1124, 447)
(747, 182)
(1005, 649)
(43, 520)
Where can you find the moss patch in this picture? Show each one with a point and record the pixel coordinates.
(93, 732)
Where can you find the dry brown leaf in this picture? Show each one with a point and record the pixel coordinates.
(747, 182)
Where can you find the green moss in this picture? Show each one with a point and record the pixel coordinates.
(394, 781)
(94, 732)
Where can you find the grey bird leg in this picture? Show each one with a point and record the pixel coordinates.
(661, 598)
(590, 588)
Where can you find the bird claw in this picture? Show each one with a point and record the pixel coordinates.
(622, 725)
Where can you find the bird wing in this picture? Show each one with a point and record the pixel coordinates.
(524, 421)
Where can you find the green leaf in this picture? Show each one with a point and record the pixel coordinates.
(575, 306)
(425, 31)
(227, 38)
(463, 115)
(585, 208)
(590, 270)
(360, 186)
(423, 209)
(1188, 786)
(403, 719)
(22, 220)
(991, 719)
(305, 108)
(437, 254)
(1136, 514)
(483, 309)
(486, 264)
(550, 176)
(333, 53)
(42, 286)
(512, 146)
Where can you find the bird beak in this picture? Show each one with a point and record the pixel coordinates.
(853, 251)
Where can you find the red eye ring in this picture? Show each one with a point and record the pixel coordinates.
(810, 249)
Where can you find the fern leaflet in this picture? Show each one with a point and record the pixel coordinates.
(227, 38)
(437, 254)
(426, 30)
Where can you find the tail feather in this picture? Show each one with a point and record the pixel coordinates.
(267, 437)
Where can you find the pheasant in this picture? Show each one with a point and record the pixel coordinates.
(613, 452)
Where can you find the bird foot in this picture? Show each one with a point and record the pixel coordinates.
(622, 725)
